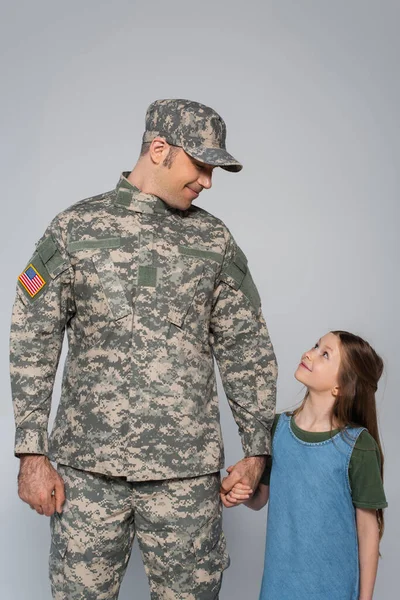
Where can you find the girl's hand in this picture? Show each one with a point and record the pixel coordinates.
(239, 494)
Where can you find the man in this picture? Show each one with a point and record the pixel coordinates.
(148, 289)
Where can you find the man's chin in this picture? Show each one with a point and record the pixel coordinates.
(183, 205)
(186, 205)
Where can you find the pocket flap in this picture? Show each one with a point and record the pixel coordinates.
(94, 244)
(52, 257)
(59, 536)
(47, 249)
(201, 253)
(208, 536)
(235, 272)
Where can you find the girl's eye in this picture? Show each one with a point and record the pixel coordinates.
(326, 355)
(316, 345)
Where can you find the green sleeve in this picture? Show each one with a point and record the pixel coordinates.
(265, 477)
(364, 474)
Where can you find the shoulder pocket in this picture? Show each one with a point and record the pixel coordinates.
(237, 275)
(46, 264)
(235, 272)
(249, 289)
(52, 258)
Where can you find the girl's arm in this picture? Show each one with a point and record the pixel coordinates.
(368, 550)
(241, 494)
(259, 498)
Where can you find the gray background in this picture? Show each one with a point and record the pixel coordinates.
(310, 93)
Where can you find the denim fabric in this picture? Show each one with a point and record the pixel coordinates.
(311, 549)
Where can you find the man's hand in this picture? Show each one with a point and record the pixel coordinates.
(39, 485)
(248, 472)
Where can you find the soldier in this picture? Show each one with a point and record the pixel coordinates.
(148, 288)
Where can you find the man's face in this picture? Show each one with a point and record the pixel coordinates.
(181, 181)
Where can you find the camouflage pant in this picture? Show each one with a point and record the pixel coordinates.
(177, 522)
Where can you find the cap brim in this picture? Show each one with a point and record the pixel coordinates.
(217, 157)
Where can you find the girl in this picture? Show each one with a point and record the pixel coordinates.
(325, 489)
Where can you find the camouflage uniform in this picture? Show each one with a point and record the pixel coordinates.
(177, 523)
(147, 294)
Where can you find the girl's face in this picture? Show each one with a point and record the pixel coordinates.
(319, 366)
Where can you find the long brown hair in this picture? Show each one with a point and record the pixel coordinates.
(359, 372)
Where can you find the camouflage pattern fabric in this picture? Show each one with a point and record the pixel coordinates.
(148, 295)
(178, 524)
(196, 128)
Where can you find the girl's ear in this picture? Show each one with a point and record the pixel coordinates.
(335, 391)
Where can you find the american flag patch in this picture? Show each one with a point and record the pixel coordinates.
(31, 280)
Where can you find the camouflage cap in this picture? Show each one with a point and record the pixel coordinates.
(196, 128)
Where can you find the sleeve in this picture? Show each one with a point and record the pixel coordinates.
(266, 476)
(365, 475)
(42, 307)
(243, 351)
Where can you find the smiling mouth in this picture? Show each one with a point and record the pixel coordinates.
(194, 191)
(305, 366)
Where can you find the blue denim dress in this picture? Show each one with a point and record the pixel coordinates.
(311, 550)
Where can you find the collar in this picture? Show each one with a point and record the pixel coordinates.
(132, 198)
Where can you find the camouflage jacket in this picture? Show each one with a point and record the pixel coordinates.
(148, 295)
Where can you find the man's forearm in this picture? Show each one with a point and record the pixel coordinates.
(27, 458)
(257, 463)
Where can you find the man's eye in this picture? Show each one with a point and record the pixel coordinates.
(316, 345)
(326, 355)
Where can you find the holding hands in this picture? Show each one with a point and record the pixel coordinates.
(242, 481)
(239, 494)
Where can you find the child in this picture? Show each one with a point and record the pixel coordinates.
(325, 488)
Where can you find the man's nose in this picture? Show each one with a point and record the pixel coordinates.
(205, 180)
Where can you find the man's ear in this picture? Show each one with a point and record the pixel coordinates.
(158, 151)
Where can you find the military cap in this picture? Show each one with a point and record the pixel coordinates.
(196, 128)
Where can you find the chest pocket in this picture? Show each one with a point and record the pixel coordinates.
(183, 280)
(99, 292)
(190, 283)
(111, 284)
